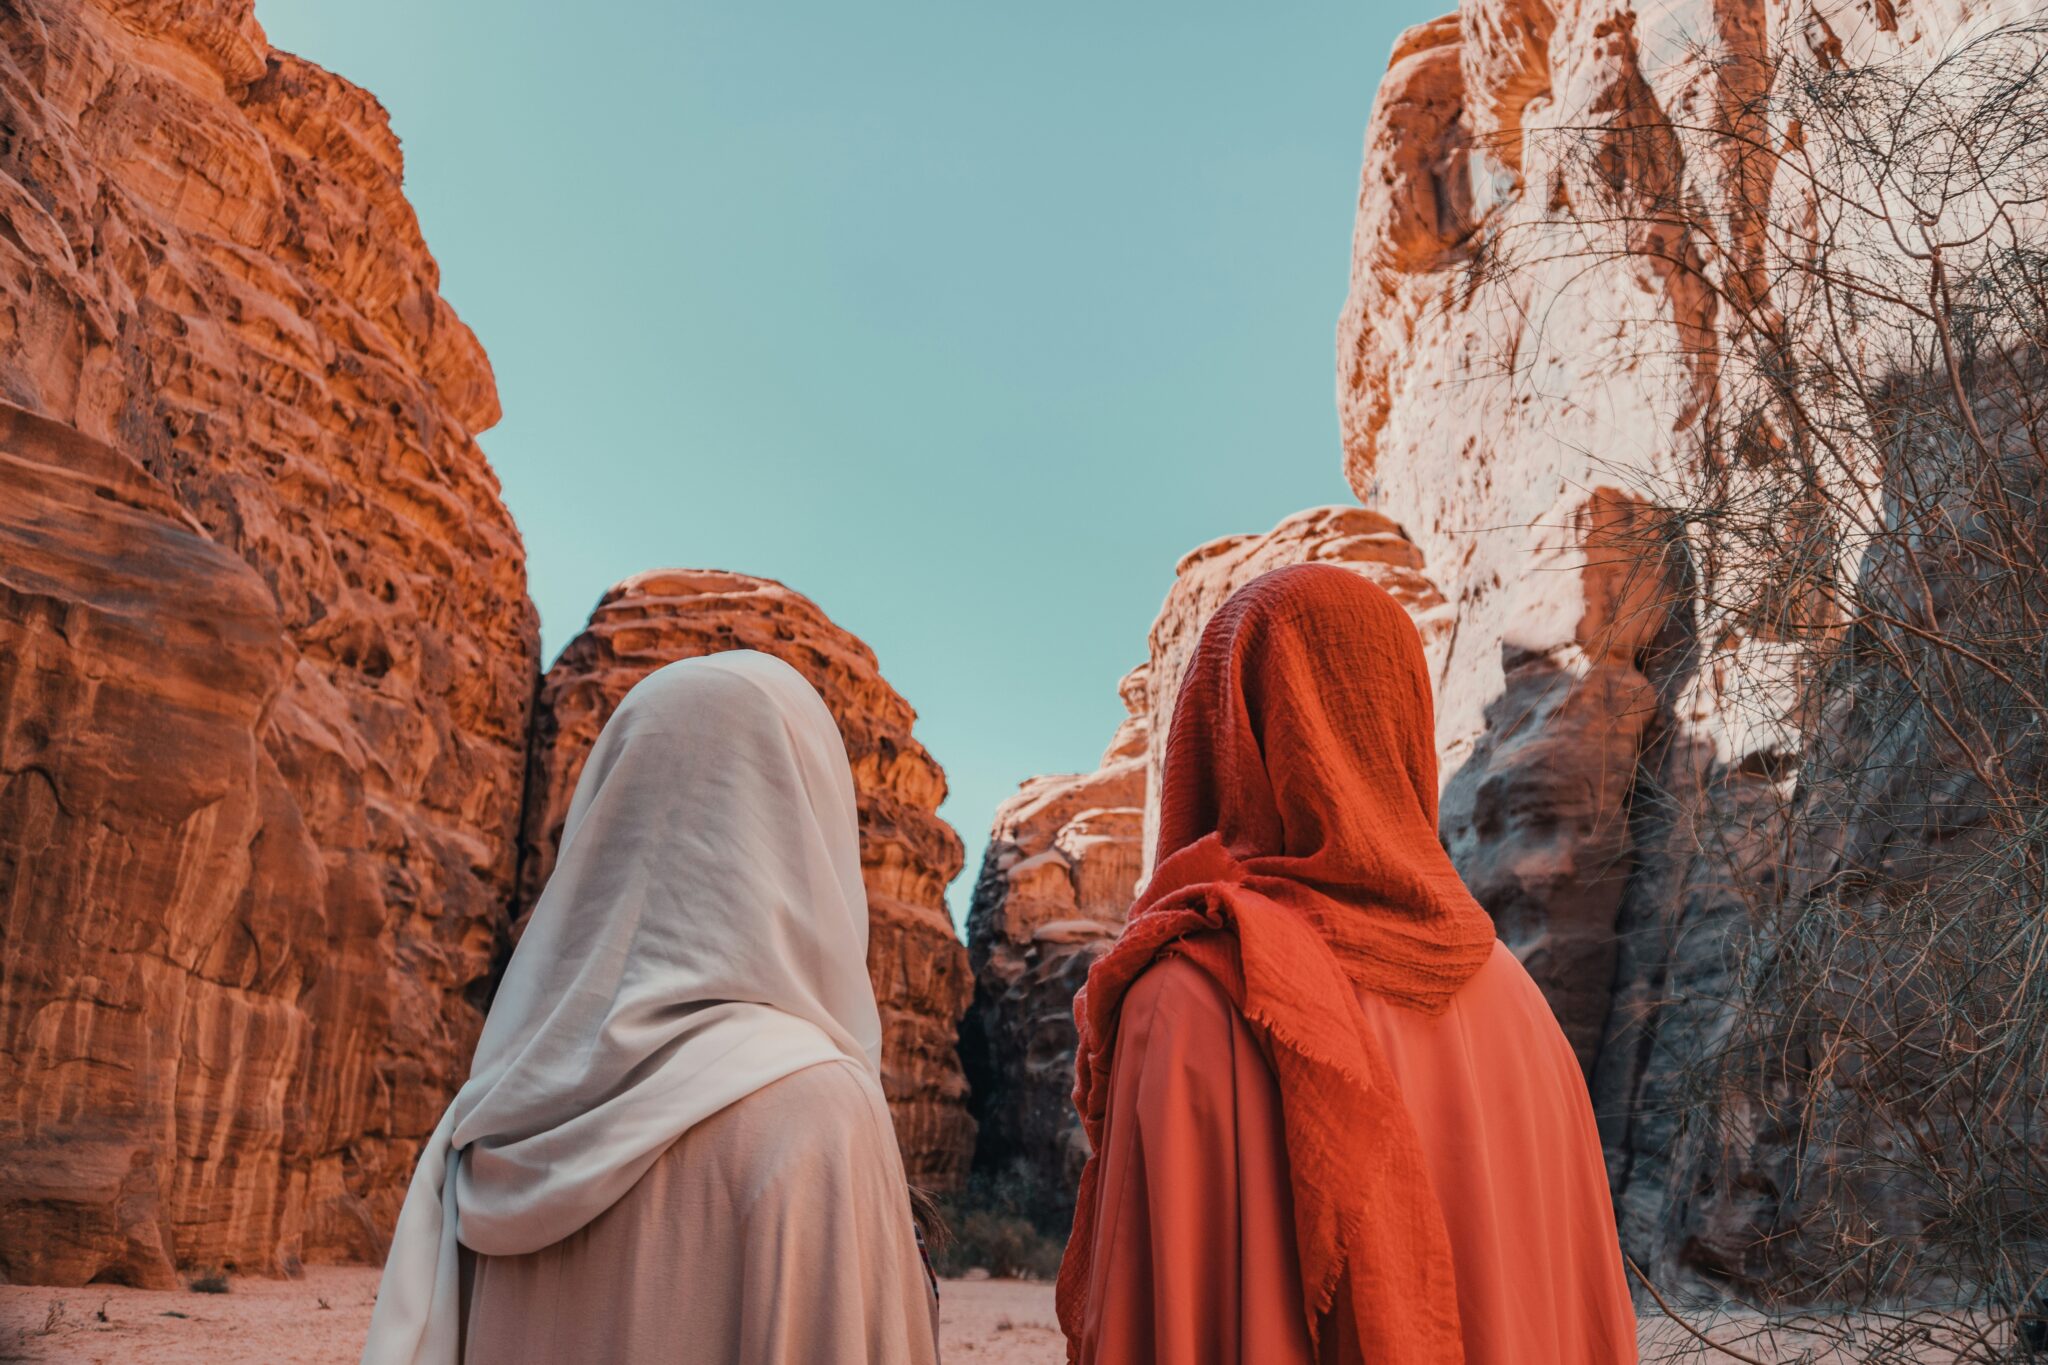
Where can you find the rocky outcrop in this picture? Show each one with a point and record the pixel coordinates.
(1498, 419)
(1563, 268)
(908, 854)
(154, 882)
(263, 815)
(1055, 885)
(1067, 853)
(267, 665)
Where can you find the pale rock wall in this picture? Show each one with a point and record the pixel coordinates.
(1530, 341)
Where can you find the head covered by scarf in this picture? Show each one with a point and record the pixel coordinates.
(704, 934)
(1298, 862)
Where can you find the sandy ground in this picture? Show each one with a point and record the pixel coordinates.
(320, 1320)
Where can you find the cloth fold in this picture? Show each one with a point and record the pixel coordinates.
(704, 934)
(1297, 858)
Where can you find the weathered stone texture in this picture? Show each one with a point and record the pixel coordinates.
(1055, 885)
(1531, 328)
(153, 884)
(908, 854)
(208, 264)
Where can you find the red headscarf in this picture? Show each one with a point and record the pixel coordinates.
(1298, 860)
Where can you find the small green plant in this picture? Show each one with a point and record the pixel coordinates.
(987, 1226)
(209, 1282)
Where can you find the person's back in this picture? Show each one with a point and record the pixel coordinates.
(1197, 1205)
(1507, 1131)
(1333, 1120)
(674, 1144)
(789, 1199)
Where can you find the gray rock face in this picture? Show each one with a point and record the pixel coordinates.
(1054, 887)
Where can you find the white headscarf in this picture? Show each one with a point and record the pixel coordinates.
(703, 935)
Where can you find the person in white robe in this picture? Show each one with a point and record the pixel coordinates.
(673, 1145)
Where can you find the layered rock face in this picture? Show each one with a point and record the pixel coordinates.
(153, 884)
(270, 655)
(1533, 336)
(908, 854)
(1067, 853)
(1055, 885)
(267, 665)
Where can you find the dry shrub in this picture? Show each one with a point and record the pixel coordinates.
(1859, 528)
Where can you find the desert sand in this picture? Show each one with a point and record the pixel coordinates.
(320, 1318)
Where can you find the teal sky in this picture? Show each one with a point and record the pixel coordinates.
(965, 320)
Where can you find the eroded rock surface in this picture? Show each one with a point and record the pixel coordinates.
(154, 883)
(291, 910)
(1563, 259)
(908, 854)
(1055, 885)
(1498, 422)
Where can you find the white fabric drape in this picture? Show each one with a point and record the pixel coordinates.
(704, 934)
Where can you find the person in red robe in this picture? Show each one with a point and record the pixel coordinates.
(1332, 1118)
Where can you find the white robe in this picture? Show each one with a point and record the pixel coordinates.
(704, 935)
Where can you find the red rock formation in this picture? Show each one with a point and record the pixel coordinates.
(152, 880)
(1056, 882)
(207, 263)
(908, 854)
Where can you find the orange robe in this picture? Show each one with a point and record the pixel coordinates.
(1195, 1260)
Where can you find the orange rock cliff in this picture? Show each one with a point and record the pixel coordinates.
(268, 670)
(268, 659)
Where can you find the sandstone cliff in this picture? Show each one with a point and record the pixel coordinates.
(267, 665)
(270, 649)
(1570, 256)
(155, 879)
(908, 854)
